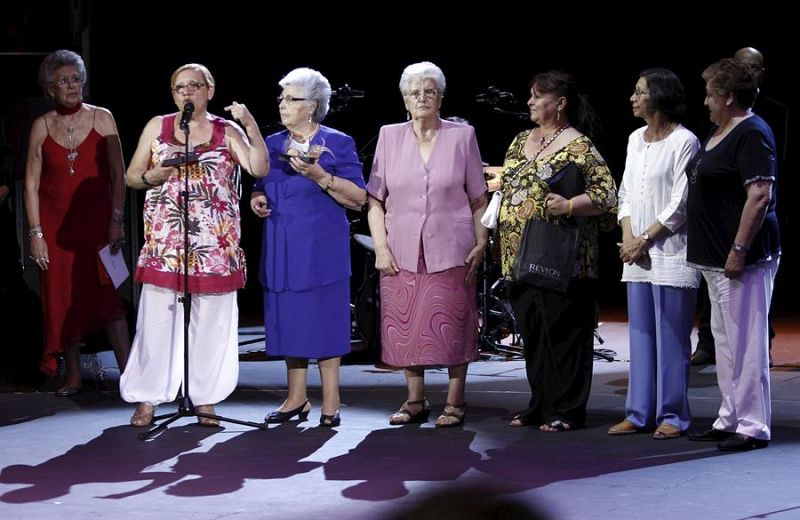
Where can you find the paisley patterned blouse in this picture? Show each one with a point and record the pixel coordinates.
(216, 263)
(525, 188)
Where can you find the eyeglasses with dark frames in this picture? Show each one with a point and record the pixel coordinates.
(290, 99)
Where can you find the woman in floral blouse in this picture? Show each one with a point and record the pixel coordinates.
(216, 263)
(557, 328)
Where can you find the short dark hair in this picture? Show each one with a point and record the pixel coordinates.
(727, 76)
(666, 92)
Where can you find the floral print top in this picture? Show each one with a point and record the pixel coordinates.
(216, 263)
(525, 188)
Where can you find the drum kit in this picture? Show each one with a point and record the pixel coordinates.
(498, 332)
(366, 307)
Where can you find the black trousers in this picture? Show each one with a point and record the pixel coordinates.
(558, 332)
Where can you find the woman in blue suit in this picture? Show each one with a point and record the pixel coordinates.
(305, 265)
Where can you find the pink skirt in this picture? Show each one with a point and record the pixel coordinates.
(428, 319)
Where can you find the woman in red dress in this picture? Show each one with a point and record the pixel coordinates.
(75, 199)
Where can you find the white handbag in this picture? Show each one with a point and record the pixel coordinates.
(489, 218)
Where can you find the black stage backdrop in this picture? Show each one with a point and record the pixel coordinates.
(132, 48)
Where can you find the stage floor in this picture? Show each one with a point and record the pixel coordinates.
(77, 457)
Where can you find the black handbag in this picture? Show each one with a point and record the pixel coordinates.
(547, 251)
(546, 255)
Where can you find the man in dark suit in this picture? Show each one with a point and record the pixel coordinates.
(776, 114)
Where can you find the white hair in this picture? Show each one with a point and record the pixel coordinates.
(315, 87)
(421, 71)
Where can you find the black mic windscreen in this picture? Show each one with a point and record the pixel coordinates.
(186, 116)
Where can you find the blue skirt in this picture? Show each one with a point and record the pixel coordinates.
(313, 324)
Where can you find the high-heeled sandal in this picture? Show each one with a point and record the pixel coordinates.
(453, 415)
(404, 415)
(330, 421)
(281, 417)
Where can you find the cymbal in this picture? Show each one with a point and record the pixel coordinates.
(493, 175)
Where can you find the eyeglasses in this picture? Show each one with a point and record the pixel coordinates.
(192, 86)
(65, 81)
(428, 93)
(639, 93)
(290, 99)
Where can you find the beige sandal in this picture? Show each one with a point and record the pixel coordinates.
(143, 416)
(206, 421)
(453, 415)
(667, 431)
(624, 427)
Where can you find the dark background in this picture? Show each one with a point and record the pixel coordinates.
(131, 49)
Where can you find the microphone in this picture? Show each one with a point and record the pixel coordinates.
(346, 93)
(493, 95)
(186, 116)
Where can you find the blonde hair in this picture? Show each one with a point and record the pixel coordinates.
(193, 66)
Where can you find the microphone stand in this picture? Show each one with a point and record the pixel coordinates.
(521, 115)
(185, 406)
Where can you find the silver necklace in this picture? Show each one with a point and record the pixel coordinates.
(72, 151)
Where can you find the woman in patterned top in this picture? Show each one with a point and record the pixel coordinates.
(557, 328)
(216, 263)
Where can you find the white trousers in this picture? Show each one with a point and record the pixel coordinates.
(155, 369)
(739, 310)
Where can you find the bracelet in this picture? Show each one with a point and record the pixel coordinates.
(118, 216)
(739, 248)
(329, 185)
(569, 211)
(36, 232)
(144, 180)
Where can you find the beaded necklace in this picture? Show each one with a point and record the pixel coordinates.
(544, 144)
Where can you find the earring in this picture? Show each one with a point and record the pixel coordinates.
(310, 117)
(558, 115)
(408, 115)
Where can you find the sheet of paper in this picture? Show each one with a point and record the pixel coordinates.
(114, 264)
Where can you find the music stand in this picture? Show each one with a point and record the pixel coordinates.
(185, 406)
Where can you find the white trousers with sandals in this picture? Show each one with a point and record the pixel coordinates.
(155, 369)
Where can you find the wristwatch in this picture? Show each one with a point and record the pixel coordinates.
(646, 236)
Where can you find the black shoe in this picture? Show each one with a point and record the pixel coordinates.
(741, 442)
(710, 435)
(702, 357)
(282, 417)
(330, 421)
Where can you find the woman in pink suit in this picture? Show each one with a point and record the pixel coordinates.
(426, 197)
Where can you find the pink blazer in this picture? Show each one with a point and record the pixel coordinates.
(428, 203)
